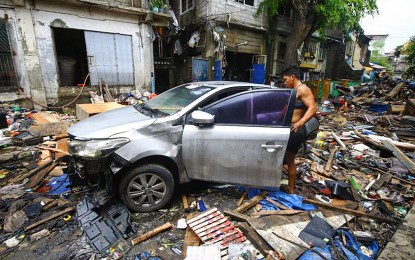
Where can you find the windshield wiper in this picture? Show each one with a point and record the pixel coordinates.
(144, 106)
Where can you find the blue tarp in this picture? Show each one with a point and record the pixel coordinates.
(350, 244)
(59, 185)
(292, 201)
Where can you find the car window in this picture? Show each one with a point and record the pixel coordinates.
(175, 99)
(223, 94)
(253, 108)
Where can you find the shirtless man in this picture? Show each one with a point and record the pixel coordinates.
(304, 109)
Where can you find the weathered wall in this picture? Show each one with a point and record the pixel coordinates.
(238, 12)
(48, 15)
(20, 67)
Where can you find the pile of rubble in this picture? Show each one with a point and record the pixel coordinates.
(355, 187)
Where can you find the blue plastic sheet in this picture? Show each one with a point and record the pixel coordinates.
(292, 201)
(351, 244)
(310, 255)
(60, 185)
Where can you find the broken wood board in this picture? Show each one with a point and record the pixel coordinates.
(44, 117)
(396, 109)
(351, 211)
(86, 110)
(290, 227)
(190, 237)
(237, 216)
(241, 199)
(47, 129)
(330, 161)
(38, 177)
(278, 212)
(384, 178)
(255, 239)
(151, 233)
(250, 203)
(395, 90)
(53, 216)
(400, 155)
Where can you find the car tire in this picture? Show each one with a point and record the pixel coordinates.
(146, 188)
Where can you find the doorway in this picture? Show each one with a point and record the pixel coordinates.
(239, 66)
(71, 56)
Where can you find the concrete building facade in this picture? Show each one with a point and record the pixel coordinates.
(92, 36)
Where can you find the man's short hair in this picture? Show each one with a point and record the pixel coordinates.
(291, 70)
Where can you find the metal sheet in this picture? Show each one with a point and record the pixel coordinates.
(109, 58)
(124, 55)
(258, 73)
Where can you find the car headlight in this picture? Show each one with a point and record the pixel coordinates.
(95, 148)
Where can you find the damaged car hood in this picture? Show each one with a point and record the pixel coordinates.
(109, 123)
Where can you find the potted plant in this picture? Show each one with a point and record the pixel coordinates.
(157, 5)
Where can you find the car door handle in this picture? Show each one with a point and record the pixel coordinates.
(271, 146)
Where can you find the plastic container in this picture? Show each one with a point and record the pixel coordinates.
(320, 144)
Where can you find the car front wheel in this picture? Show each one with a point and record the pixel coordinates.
(146, 188)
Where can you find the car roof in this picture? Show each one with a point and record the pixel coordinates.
(224, 84)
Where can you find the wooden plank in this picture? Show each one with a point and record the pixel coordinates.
(237, 216)
(351, 211)
(86, 110)
(370, 141)
(259, 243)
(241, 199)
(384, 178)
(151, 233)
(190, 237)
(400, 155)
(252, 202)
(44, 117)
(330, 161)
(53, 216)
(278, 212)
(395, 90)
(36, 179)
(396, 109)
(279, 205)
(185, 203)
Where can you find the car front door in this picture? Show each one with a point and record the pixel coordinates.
(247, 141)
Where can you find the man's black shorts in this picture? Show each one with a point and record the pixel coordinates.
(296, 139)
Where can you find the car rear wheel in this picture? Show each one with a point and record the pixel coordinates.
(146, 188)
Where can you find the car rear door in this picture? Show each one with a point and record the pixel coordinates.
(247, 142)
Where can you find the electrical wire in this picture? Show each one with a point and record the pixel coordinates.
(59, 107)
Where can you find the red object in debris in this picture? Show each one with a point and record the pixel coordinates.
(80, 85)
(359, 157)
(152, 95)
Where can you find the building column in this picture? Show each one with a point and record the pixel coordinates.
(26, 33)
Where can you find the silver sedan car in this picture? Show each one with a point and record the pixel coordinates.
(228, 132)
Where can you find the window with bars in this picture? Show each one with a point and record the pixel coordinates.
(186, 5)
(246, 2)
(7, 72)
(284, 10)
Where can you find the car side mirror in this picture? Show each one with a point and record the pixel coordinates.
(202, 118)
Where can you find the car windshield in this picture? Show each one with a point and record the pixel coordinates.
(175, 99)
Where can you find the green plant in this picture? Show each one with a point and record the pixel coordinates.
(158, 3)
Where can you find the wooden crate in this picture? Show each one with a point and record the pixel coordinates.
(86, 110)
